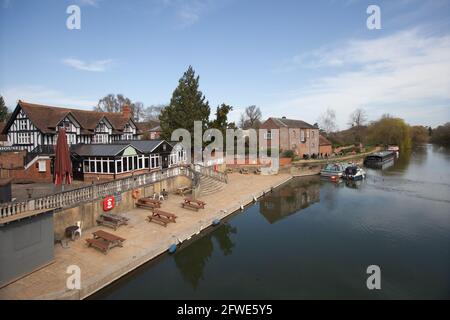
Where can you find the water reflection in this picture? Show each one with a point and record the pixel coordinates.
(192, 259)
(290, 198)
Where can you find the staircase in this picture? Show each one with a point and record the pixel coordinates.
(210, 185)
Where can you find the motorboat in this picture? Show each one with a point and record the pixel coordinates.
(354, 173)
(333, 170)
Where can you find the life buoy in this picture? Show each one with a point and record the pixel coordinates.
(135, 194)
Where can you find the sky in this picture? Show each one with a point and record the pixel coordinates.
(290, 58)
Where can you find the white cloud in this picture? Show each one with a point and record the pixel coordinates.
(406, 74)
(189, 12)
(46, 96)
(94, 66)
(93, 3)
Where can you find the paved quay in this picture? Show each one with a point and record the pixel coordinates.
(145, 241)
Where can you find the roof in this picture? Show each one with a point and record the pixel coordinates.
(146, 146)
(324, 141)
(99, 150)
(148, 125)
(47, 118)
(291, 123)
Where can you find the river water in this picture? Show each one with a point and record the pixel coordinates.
(315, 239)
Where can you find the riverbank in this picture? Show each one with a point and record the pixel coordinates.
(145, 241)
(335, 159)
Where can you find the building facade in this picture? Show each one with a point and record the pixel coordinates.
(296, 135)
(31, 126)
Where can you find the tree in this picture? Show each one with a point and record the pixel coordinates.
(441, 135)
(419, 134)
(358, 118)
(188, 104)
(327, 121)
(152, 112)
(390, 130)
(221, 121)
(3, 110)
(251, 118)
(113, 103)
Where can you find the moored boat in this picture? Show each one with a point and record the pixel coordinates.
(379, 158)
(333, 170)
(354, 173)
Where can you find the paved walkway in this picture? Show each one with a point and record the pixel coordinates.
(144, 241)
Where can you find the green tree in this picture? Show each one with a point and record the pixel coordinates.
(221, 121)
(3, 110)
(188, 104)
(441, 135)
(419, 134)
(390, 131)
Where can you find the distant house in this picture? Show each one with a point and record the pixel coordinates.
(325, 146)
(31, 126)
(296, 135)
(150, 130)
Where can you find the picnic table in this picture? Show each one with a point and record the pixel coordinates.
(193, 204)
(112, 220)
(104, 241)
(148, 203)
(183, 190)
(162, 217)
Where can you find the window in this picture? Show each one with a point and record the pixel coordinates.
(268, 135)
(302, 135)
(42, 166)
(111, 166)
(154, 161)
(119, 166)
(23, 138)
(100, 138)
(125, 164)
(23, 124)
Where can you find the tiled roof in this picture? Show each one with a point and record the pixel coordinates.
(148, 125)
(47, 118)
(99, 150)
(291, 123)
(324, 141)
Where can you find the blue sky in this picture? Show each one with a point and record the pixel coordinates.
(290, 58)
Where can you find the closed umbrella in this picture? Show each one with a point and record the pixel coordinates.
(63, 164)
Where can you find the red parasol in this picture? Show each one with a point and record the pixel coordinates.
(63, 164)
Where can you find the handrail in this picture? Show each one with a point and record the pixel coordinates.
(210, 172)
(88, 193)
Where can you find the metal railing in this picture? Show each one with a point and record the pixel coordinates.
(97, 191)
(210, 172)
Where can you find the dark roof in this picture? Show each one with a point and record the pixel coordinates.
(324, 141)
(291, 123)
(100, 150)
(148, 125)
(47, 118)
(146, 146)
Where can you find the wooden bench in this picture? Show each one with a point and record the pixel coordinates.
(112, 221)
(149, 206)
(159, 220)
(191, 205)
(200, 203)
(150, 201)
(163, 214)
(105, 241)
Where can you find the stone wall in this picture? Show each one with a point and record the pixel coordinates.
(89, 212)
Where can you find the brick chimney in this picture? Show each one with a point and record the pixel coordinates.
(126, 111)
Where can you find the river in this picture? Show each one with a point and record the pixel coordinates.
(314, 239)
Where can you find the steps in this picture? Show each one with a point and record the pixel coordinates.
(209, 185)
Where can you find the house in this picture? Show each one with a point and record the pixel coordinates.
(295, 135)
(31, 126)
(93, 162)
(150, 130)
(325, 146)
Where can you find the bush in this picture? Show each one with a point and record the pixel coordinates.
(289, 154)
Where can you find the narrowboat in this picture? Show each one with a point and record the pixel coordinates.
(379, 158)
(333, 170)
(354, 173)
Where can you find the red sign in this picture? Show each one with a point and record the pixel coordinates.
(109, 203)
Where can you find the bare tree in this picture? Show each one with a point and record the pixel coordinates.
(251, 118)
(152, 112)
(327, 121)
(357, 118)
(113, 103)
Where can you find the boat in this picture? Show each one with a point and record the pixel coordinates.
(354, 173)
(393, 148)
(333, 170)
(379, 158)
